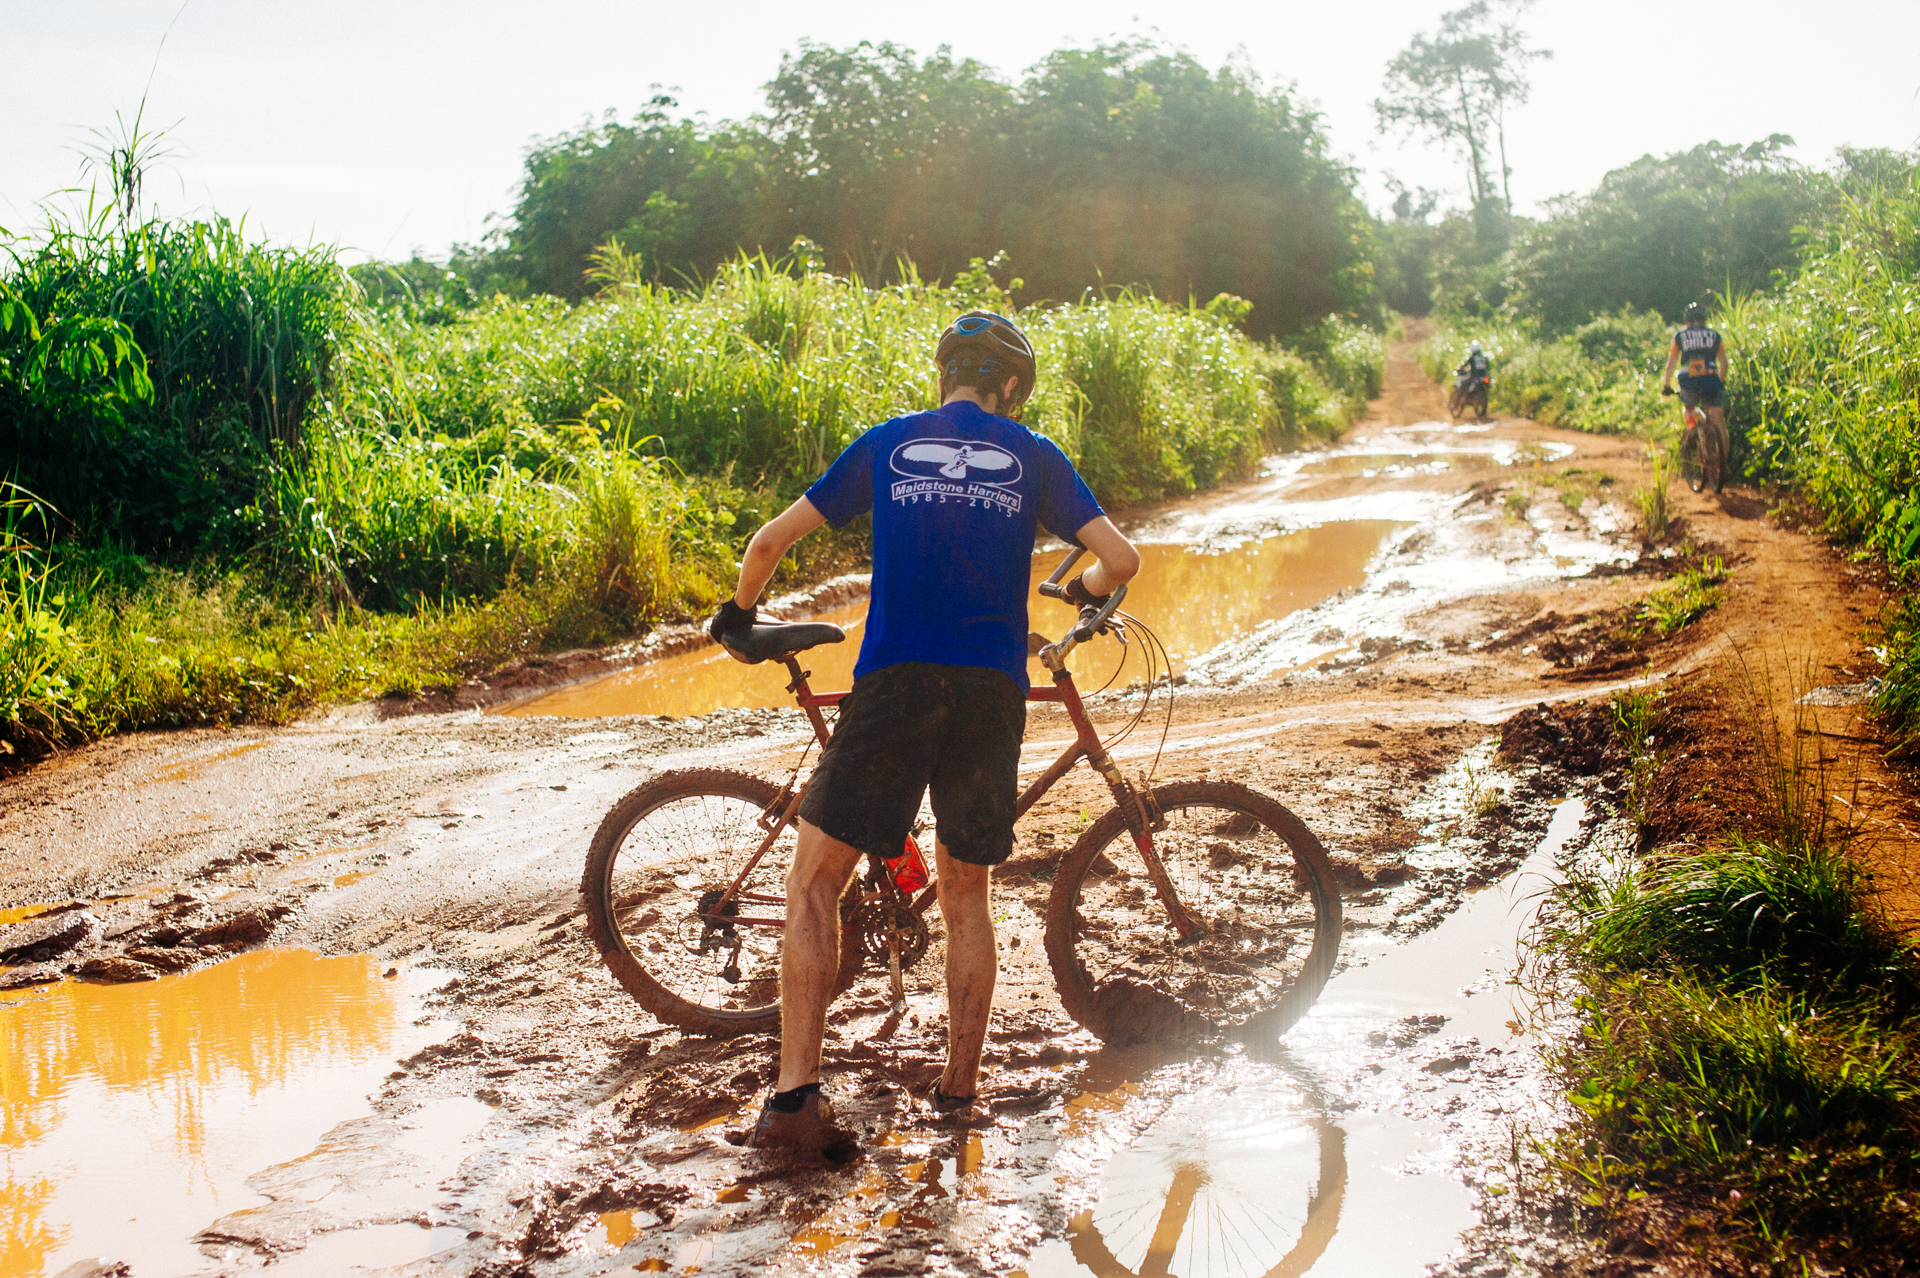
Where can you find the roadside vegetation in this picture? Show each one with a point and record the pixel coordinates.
(241, 480)
(1745, 1072)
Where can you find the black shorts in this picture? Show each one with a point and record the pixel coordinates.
(1703, 392)
(913, 725)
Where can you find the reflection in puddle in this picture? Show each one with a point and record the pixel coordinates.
(130, 1115)
(1234, 1168)
(1194, 600)
(1212, 1190)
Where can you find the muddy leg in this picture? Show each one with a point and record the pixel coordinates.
(1717, 432)
(966, 905)
(810, 953)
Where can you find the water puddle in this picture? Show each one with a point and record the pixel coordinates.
(194, 767)
(132, 1116)
(1372, 465)
(1194, 597)
(1329, 1153)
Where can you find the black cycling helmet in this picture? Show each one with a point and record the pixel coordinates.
(995, 346)
(1696, 313)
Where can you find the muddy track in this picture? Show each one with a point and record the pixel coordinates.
(579, 1136)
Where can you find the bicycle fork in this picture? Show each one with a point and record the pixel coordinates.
(1136, 803)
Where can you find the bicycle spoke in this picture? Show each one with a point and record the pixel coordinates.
(666, 863)
(1240, 878)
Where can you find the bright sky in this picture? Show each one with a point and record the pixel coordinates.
(390, 125)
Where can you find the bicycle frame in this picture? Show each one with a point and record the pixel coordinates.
(1142, 817)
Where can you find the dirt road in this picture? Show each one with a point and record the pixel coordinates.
(542, 1123)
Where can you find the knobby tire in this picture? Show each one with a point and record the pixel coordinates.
(1254, 875)
(660, 849)
(1693, 465)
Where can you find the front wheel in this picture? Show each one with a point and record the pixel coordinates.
(659, 865)
(1253, 875)
(1693, 465)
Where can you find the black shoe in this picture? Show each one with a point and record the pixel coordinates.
(810, 1128)
(954, 1109)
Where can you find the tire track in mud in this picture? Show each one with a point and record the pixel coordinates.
(557, 1130)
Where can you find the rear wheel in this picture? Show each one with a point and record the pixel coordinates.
(1693, 465)
(1253, 875)
(1480, 402)
(658, 865)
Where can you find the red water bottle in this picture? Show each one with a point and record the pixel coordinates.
(909, 869)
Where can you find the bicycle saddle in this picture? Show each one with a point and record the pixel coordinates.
(772, 640)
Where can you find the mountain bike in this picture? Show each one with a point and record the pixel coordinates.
(1700, 461)
(1189, 909)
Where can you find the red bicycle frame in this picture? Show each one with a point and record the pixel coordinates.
(1143, 818)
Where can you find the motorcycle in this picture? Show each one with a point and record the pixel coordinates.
(1470, 390)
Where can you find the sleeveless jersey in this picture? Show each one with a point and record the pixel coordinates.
(1699, 352)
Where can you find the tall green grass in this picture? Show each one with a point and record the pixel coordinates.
(1603, 377)
(1828, 375)
(269, 491)
(237, 338)
(766, 371)
(1749, 1020)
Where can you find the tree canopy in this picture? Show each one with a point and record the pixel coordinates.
(1455, 87)
(1122, 164)
(1662, 232)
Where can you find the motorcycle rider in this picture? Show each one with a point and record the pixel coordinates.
(1473, 371)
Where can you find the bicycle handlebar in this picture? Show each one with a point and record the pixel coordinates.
(1051, 587)
(1091, 618)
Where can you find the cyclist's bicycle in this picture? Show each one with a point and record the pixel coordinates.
(1190, 909)
(1701, 464)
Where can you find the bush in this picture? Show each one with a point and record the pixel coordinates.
(238, 339)
(1602, 377)
(1749, 1026)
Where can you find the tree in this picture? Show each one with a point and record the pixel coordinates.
(1455, 88)
(1122, 164)
(880, 157)
(681, 196)
(1662, 232)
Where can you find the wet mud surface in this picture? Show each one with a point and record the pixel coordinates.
(528, 1117)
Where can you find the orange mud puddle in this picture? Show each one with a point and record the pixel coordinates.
(1197, 598)
(131, 1115)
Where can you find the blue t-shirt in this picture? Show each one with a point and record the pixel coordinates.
(957, 495)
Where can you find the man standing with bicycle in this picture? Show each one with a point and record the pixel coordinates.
(939, 694)
(1704, 356)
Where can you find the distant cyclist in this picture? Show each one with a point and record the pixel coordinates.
(1471, 379)
(1704, 357)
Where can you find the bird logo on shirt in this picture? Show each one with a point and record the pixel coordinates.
(955, 459)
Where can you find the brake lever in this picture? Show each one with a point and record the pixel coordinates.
(1092, 625)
